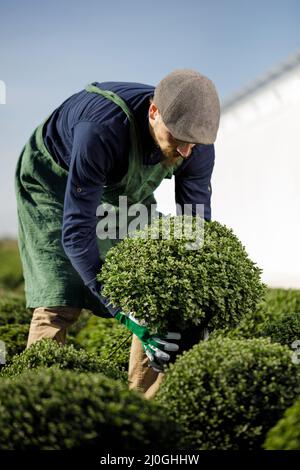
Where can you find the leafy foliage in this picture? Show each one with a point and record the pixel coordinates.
(15, 339)
(227, 393)
(76, 327)
(106, 338)
(279, 307)
(14, 323)
(160, 280)
(47, 353)
(284, 328)
(81, 323)
(279, 301)
(285, 435)
(55, 409)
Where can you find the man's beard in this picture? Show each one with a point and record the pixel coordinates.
(170, 157)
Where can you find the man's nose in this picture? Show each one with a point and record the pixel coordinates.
(185, 149)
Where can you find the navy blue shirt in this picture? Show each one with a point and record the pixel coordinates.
(88, 135)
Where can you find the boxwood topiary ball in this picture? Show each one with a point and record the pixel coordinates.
(61, 409)
(285, 435)
(228, 393)
(275, 317)
(48, 353)
(164, 282)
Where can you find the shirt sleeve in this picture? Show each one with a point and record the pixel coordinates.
(193, 180)
(91, 160)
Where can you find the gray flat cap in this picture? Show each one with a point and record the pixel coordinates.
(189, 105)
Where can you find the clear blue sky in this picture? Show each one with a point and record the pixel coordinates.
(51, 49)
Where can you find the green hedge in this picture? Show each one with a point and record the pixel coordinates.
(249, 327)
(228, 393)
(168, 285)
(103, 336)
(47, 353)
(55, 409)
(285, 435)
(271, 310)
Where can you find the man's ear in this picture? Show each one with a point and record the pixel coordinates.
(153, 111)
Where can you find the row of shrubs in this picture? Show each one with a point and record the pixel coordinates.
(221, 394)
(58, 409)
(214, 380)
(98, 335)
(224, 393)
(278, 317)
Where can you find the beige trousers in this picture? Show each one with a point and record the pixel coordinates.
(141, 377)
(53, 322)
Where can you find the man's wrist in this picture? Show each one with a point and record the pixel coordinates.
(138, 328)
(96, 287)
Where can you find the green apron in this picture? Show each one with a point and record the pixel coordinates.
(40, 183)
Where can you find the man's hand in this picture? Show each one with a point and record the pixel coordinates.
(154, 345)
(158, 361)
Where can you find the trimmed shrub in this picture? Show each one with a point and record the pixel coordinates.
(249, 327)
(15, 339)
(54, 409)
(226, 394)
(102, 336)
(166, 284)
(11, 275)
(285, 435)
(279, 307)
(47, 353)
(284, 328)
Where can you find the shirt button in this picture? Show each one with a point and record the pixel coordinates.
(78, 189)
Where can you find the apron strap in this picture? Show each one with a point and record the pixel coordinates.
(121, 103)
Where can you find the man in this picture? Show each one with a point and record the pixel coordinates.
(111, 139)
